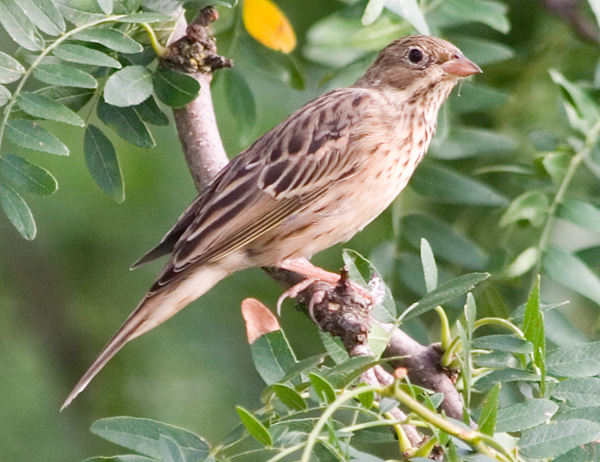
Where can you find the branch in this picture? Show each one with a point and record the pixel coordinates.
(342, 309)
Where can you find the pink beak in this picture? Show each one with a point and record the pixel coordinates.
(461, 66)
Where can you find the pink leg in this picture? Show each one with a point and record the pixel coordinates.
(313, 274)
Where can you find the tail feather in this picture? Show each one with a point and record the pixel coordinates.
(123, 335)
(152, 311)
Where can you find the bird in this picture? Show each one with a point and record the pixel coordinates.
(312, 181)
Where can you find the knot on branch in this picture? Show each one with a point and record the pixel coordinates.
(340, 310)
(197, 50)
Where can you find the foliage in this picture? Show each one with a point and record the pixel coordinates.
(486, 201)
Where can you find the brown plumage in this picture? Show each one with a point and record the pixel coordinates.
(314, 180)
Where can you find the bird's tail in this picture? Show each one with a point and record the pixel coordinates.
(152, 311)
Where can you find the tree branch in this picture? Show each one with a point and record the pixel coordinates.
(341, 309)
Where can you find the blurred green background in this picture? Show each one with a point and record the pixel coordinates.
(63, 295)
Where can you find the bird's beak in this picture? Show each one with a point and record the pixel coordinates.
(461, 66)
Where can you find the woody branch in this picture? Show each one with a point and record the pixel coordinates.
(350, 320)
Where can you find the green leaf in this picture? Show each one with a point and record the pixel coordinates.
(571, 272)
(522, 263)
(111, 38)
(533, 327)
(581, 108)
(45, 15)
(464, 143)
(289, 397)
(84, 55)
(328, 41)
(525, 415)
(470, 311)
(489, 413)
(375, 36)
(446, 243)
(367, 398)
(170, 450)
(273, 357)
(11, 70)
(25, 176)
(4, 95)
(483, 51)
(17, 24)
(272, 63)
(451, 290)
(555, 439)
(126, 123)
(30, 135)
(143, 436)
(492, 13)
(362, 271)
(575, 361)
(591, 413)
(240, 100)
(101, 160)
(476, 97)
(43, 107)
(531, 206)
(199, 4)
(123, 458)
(429, 267)
(586, 453)
(341, 375)
(503, 343)
(73, 98)
(254, 426)
(149, 112)
(106, 5)
(323, 452)
(65, 76)
(409, 10)
(578, 392)
(128, 87)
(581, 213)
(556, 165)
(334, 347)
(372, 11)
(17, 211)
(496, 360)
(322, 387)
(444, 185)
(139, 18)
(174, 88)
(303, 367)
(80, 12)
(505, 375)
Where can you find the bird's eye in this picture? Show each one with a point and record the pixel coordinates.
(415, 55)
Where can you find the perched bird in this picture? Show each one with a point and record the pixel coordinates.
(314, 180)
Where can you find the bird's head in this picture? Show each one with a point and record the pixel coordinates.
(418, 60)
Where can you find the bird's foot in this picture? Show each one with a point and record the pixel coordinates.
(314, 274)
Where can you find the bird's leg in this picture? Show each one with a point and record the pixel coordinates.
(307, 269)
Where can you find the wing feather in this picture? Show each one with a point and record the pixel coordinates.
(281, 174)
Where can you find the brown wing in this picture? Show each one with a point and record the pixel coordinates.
(282, 173)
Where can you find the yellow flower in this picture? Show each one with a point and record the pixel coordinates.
(266, 23)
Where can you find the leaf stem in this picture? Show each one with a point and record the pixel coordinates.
(338, 403)
(478, 440)
(499, 322)
(158, 48)
(590, 141)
